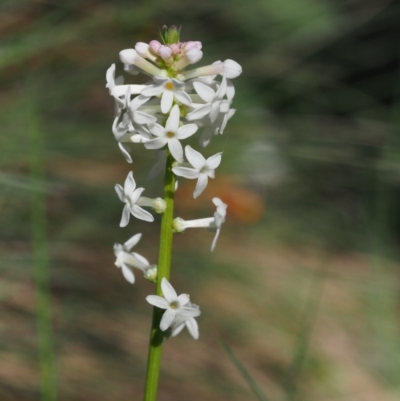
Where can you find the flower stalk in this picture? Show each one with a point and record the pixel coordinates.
(164, 265)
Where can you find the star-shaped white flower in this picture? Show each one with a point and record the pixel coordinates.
(180, 322)
(130, 195)
(126, 259)
(171, 134)
(173, 304)
(202, 168)
(169, 89)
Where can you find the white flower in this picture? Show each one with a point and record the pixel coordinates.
(169, 89)
(190, 322)
(130, 57)
(130, 196)
(212, 223)
(171, 134)
(202, 168)
(229, 68)
(115, 86)
(173, 304)
(125, 258)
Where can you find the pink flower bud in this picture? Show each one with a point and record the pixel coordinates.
(154, 46)
(164, 52)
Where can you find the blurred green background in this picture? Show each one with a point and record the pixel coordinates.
(304, 283)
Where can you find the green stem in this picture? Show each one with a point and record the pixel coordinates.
(164, 265)
(48, 379)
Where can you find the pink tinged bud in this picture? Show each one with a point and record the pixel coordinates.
(192, 45)
(165, 52)
(154, 46)
(175, 48)
(143, 50)
(131, 57)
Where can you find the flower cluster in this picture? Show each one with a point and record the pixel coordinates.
(176, 103)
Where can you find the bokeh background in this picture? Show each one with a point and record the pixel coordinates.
(301, 294)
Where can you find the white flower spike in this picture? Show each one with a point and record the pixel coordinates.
(201, 168)
(173, 304)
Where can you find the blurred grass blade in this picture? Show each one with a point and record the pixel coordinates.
(48, 381)
(255, 388)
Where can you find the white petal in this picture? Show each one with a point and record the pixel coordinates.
(143, 118)
(166, 101)
(128, 56)
(189, 312)
(232, 69)
(157, 130)
(186, 172)
(141, 262)
(155, 300)
(199, 113)
(215, 107)
(128, 245)
(168, 291)
(230, 90)
(186, 131)
(222, 89)
(215, 239)
(130, 184)
(138, 101)
(204, 91)
(183, 97)
(120, 192)
(128, 274)
(134, 196)
(152, 90)
(175, 148)
(183, 299)
(156, 143)
(201, 185)
(141, 214)
(125, 216)
(125, 152)
(193, 328)
(176, 330)
(196, 159)
(172, 124)
(167, 319)
(214, 161)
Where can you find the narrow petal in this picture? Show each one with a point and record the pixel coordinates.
(183, 299)
(215, 108)
(141, 214)
(130, 184)
(175, 148)
(168, 291)
(215, 239)
(193, 328)
(143, 118)
(214, 161)
(125, 216)
(152, 90)
(157, 130)
(230, 90)
(120, 192)
(141, 262)
(183, 97)
(128, 274)
(222, 89)
(189, 312)
(195, 158)
(186, 131)
(135, 195)
(201, 185)
(172, 124)
(204, 91)
(155, 300)
(138, 101)
(128, 245)
(156, 143)
(176, 330)
(167, 319)
(125, 152)
(199, 113)
(186, 172)
(166, 101)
